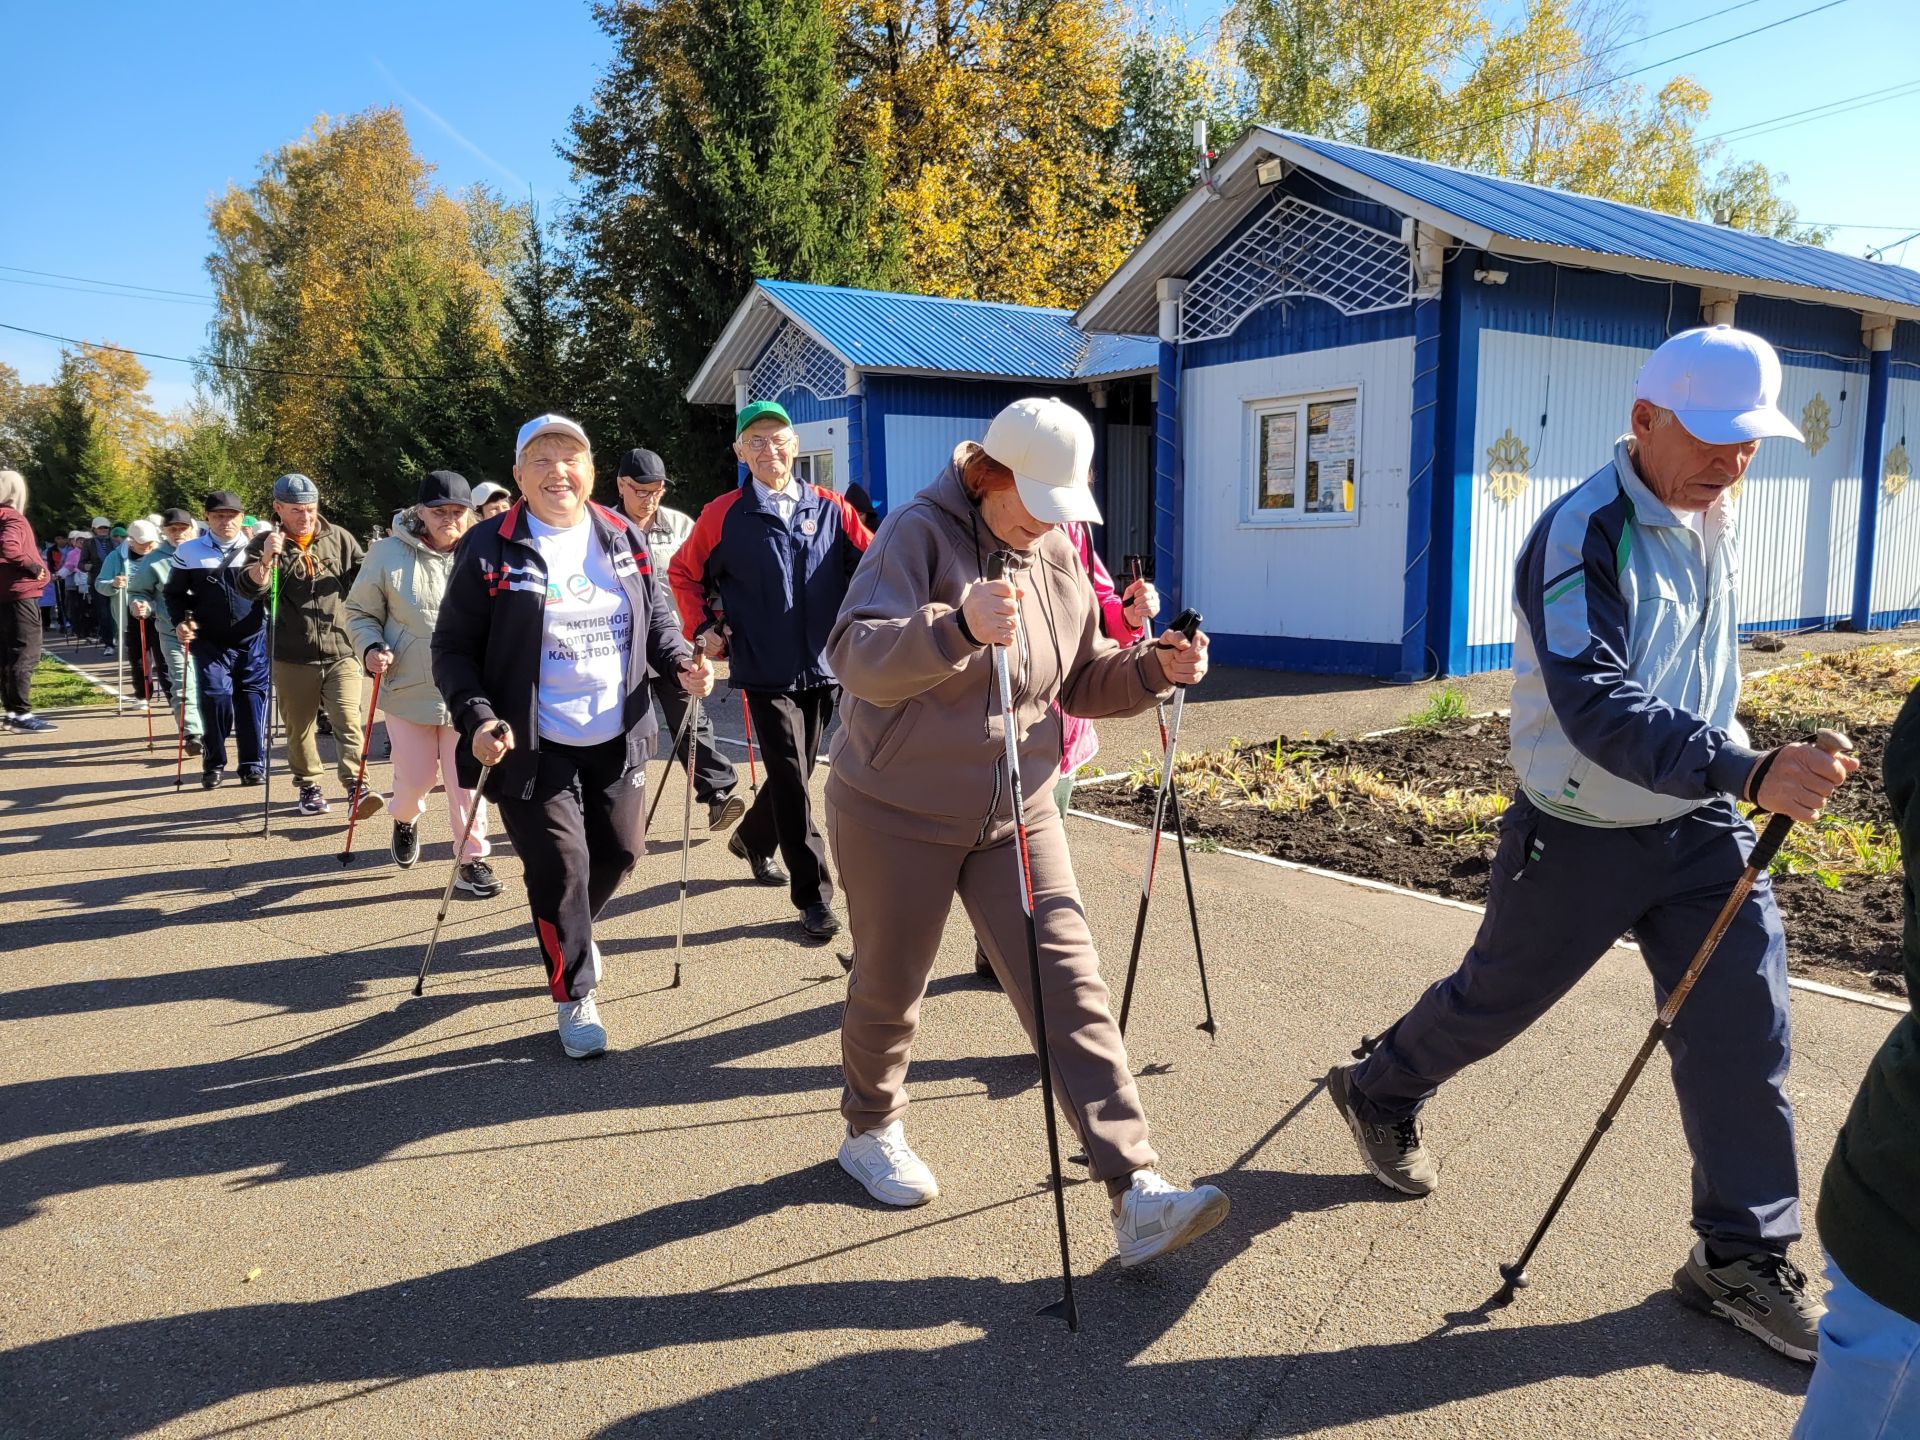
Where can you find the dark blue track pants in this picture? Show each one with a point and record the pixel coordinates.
(1561, 894)
(226, 670)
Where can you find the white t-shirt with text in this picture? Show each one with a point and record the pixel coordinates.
(587, 638)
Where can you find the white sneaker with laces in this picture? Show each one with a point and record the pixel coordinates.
(882, 1161)
(581, 1033)
(1157, 1217)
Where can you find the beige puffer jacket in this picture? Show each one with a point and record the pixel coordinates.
(920, 752)
(393, 603)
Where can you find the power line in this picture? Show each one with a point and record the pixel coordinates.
(116, 284)
(1642, 39)
(108, 294)
(1820, 112)
(234, 369)
(1613, 80)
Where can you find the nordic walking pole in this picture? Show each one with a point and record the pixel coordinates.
(1010, 726)
(1187, 622)
(685, 730)
(146, 679)
(266, 739)
(746, 722)
(1180, 838)
(353, 811)
(686, 847)
(446, 896)
(1514, 1276)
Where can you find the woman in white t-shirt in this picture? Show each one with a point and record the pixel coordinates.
(552, 626)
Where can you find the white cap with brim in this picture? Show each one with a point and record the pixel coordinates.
(486, 492)
(547, 425)
(1722, 384)
(100, 522)
(143, 532)
(1048, 446)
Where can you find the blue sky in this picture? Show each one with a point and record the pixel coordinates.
(119, 121)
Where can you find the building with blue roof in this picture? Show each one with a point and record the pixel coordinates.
(882, 386)
(1375, 372)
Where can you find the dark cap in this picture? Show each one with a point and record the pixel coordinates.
(444, 487)
(222, 500)
(175, 517)
(643, 466)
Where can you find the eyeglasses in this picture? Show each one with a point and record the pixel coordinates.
(644, 487)
(761, 444)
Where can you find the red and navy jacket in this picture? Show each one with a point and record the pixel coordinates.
(490, 632)
(777, 589)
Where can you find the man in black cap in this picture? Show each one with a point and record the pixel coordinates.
(225, 633)
(642, 482)
(313, 664)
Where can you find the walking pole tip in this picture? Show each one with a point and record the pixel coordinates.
(1514, 1279)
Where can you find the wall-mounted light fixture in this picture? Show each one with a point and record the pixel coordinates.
(1271, 172)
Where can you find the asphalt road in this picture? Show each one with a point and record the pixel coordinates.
(211, 1069)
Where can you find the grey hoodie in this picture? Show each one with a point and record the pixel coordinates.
(393, 603)
(920, 752)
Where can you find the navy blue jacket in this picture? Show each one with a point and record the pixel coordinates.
(490, 632)
(204, 587)
(777, 589)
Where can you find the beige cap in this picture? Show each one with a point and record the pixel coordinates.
(1049, 447)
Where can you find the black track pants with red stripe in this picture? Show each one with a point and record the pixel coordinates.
(578, 836)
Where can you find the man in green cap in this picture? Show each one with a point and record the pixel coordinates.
(761, 579)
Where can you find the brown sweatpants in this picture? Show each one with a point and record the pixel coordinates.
(898, 893)
(301, 689)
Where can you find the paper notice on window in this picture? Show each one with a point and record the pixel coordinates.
(1279, 459)
(1330, 459)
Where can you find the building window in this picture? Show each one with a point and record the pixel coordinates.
(815, 468)
(1304, 455)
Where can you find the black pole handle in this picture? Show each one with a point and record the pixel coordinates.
(997, 564)
(1187, 622)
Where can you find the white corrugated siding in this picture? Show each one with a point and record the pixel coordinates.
(828, 435)
(1585, 390)
(1315, 582)
(918, 449)
(1896, 544)
(1798, 512)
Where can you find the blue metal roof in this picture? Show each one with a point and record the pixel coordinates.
(1538, 215)
(884, 330)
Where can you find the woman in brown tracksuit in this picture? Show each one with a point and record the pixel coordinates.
(918, 808)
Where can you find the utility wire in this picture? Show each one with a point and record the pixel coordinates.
(116, 284)
(1613, 80)
(108, 294)
(233, 369)
(1642, 39)
(1820, 112)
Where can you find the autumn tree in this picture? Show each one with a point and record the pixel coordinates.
(296, 257)
(1746, 195)
(993, 120)
(22, 406)
(710, 156)
(1167, 82)
(76, 470)
(203, 451)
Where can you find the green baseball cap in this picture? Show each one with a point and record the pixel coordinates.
(760, 410)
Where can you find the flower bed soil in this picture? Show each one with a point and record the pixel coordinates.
(1848, 936)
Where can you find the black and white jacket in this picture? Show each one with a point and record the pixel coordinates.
(489, 635)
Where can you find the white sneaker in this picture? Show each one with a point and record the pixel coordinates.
(581, 1033)
(882, 1161)
(1156, 1217)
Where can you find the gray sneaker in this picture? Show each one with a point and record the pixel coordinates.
(1765, 1295)
(1393, 1153)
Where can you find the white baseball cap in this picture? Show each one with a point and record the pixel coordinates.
(1722, 383)
(144, 532)
(486, 491)
(1049, 447)
(547, 425)
(101, 522)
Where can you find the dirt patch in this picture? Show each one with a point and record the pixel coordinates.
(1419, 808)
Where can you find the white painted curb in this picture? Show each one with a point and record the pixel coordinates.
(1814, 987)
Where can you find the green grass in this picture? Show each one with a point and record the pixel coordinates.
(57, 688)
(1449, 704)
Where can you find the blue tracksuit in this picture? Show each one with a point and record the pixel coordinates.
(1625, 682)
(229, 648)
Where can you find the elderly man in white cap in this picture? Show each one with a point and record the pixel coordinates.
(918, 807)
(1630, 764)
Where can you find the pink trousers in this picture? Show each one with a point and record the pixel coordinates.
(423, 754)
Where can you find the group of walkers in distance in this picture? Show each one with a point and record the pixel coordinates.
(518, 642)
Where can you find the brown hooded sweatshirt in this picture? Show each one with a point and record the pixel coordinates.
(919, 752)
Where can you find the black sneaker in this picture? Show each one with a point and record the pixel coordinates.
(819, 923)
(194, 745)
(406, 844)
(322, 725)
(210, 779)
(32, 724)
(364, 800)
(725, 814)
(312, 802)
(1393, 1153)
(477, 878)
(765, 868)
(983, 968)
(252, 775)
(1764, 1294)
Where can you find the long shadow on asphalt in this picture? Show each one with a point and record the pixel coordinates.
(373, 1093)
(511, 1311)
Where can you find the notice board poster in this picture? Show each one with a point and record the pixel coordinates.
(1279, 459)
(1330, 457)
